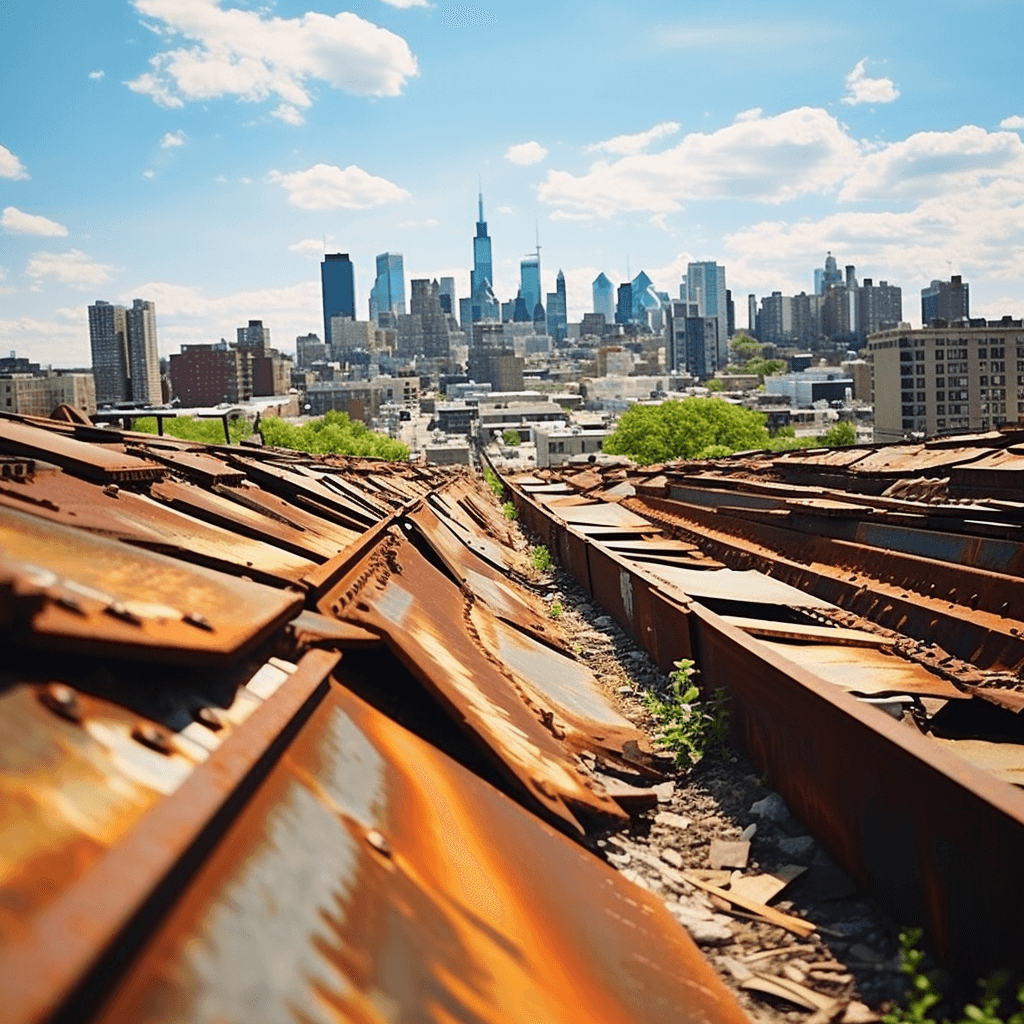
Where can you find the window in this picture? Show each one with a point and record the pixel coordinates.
(940, 396)
(940, 410)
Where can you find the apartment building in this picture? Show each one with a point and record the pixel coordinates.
(947, 380)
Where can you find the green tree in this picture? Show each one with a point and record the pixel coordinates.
(685, 429)
(838, 435)
(332, 434)
(511, 437)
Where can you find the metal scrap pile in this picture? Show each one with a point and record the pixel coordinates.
(863, 608)
(282, 739)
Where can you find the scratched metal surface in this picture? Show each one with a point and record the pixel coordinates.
(373, 879)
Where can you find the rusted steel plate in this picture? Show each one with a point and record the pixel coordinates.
(451, 516)
(901, 814)
(137, 519)
(914, 460)
(426, 619)
(1003, 760)
(99, 596)
(195, 465)
(47, 961)
(90, 461)
(370, 879)
(336, 536)
(809, 634)
(306, 490)
(749, 587)
(872, 673)
(604, 515)
(563, 691)
(241, 520)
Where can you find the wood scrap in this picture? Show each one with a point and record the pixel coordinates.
(796, 925)
(792, 991)
(766, 887)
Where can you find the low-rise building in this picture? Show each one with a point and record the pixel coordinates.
(558, 443)
(38, 394)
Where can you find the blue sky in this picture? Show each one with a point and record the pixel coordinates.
(199, 152)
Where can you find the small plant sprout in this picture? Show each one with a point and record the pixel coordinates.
(494, 482)
(510, 510)
(555, 610)
(688, 726)
(540, 558)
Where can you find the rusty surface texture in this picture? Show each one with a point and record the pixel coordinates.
(381, 881)
(873, 662)
(440, 642)
(171, 615)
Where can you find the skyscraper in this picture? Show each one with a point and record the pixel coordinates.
(337, 280)
(557, 320)
(446, 293)
(125, 355)
(108, 339)
(388, 292)
(484, 306)
(143, 353)
(604, 297)
(529, 281)
(705, 286)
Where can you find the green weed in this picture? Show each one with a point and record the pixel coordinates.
(555, 610)
(510, 510)
(925, 991)
(687, 726)
(540, 558)
(494, 482)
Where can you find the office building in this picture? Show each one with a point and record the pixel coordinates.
(309, 349)
(604, 297)
(946, 380)
(949, 301)
(39, 392)
(424, 331)
(337, 281)
(255, 337)
(705, 287)
(446, 294)
(206, 375)
(529, 282)
(624, 304)
(557, 325)
(388, 292)
(691, 340)
(143, 353)
(483, 305)
(108, 339)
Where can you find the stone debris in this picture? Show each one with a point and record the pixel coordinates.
(726, 854)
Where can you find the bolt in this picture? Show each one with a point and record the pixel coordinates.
(62, 700)
(379, 842)
(153, 736)
(198, 620)
(119, 611)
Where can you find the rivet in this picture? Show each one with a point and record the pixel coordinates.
(62, 700)
(153, 736)
(119, 611)
(198, 620)
(378, 842)
(68, 603)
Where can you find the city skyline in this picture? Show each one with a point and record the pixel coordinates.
(252, 140)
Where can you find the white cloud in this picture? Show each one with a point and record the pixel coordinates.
(1013, 122)
(403, 4)
(288, 113)
(173, 139)
(233, 52)
(96, 75)
(630, 144)
(430, 222)
(14, 222)
(326, 187)
(73, 267)
(931, 163)
(11, 166)
(770, 159)
(525, 153)
(309, 247)
(861, 89)
(506, 210)
(149, 173)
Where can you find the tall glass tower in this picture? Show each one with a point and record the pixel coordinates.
(388, 292)
(705, 287)
(484, 305)
(604, 297)
(529, 281)
(337, 279)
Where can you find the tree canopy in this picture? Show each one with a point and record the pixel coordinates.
(332, 434)
(204, 431)
(706, 428)
(685, 429)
